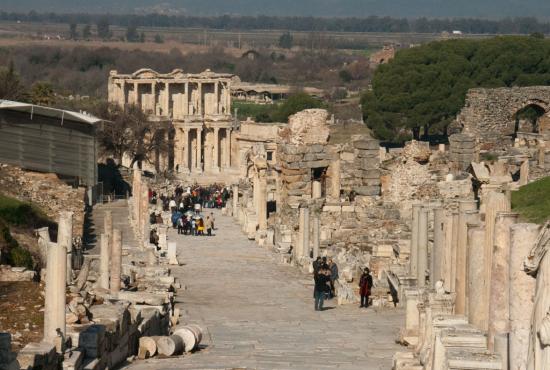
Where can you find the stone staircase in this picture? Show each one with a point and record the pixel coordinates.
(94, 225)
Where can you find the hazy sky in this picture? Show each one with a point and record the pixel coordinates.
(323, 8)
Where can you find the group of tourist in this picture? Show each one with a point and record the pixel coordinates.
(325, 274)
(186, 205)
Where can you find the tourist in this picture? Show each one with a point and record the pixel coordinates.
(193, 227)
(200, 227)
(181, 225)
(322, 279)
(172, 205)
(316, 265)
(333, 276)
(158, 218)
(365, 286)
(212, 220)
(153, 237)
(208, 225)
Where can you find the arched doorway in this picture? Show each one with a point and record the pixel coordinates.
(527, 119)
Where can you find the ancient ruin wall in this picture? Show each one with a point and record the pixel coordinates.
(489, 114)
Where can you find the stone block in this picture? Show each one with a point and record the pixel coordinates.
(332, 208)
(38, 355)
(369, 163)
(73, 360)
(367, 190)
(92, 341)
(367, 145)
(371, 174)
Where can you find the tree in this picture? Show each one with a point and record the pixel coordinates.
(132, 34)
(295, 103)
(73, 33)
(286, 41)
(42, 93)
(103, 28)
(87, 32)
(422, 89)
(159, 39)
(11, 87)
(142, 37)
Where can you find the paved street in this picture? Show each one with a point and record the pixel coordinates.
(258, 314)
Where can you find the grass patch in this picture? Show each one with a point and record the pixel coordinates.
(19, 213)
(532, 201)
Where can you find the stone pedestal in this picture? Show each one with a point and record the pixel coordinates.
(524, 173)
(465, 207)
(499, 298)
(522, 293)
(104, 261)
(316, 190)
(116, 262)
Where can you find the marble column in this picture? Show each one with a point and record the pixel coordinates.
(522, 293)
(65, 237)
(262, 203)
(56, 275)
(235, 199)
(216, 166)
(200, 108)
(199, 150)
(178, 149)
(185, 152)
(305, 243)
(438, 250)
(227, 157)
(499, 298)
(217, 94)
(476, 264)
(464, 206)
(422, 247)
(447, 251)
(524, 173)
(116, 262)
(316, 190)
(108, 228)
(416, 208)
(104, 261)
(454, 248)
(303, 230)
(316, 236)
(496, 202)
(144, 227)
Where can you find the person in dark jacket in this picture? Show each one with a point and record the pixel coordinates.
(322, 288)
(316, 265)
(365, 286)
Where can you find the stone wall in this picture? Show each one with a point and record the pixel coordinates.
(489, 114)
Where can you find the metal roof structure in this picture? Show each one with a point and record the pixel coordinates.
(49, 112)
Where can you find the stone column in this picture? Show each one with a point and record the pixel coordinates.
(136, 94)
(305, 235)
(316, 236)
(524, 173)
(227, 157)
(542, 154)
(185, 151)
(464, 206)
(200, 108)
(454, 248)
(300, 247)
(217, 93)
(316, 190)
(422, 247)
(499, 298)
(522, 291)
(186, 103)
(476, 264)
(216, 147)
(496, 202)
(144, 227)
(235, 199)
(199, 150)
(262, 203)
(438, 250)
(335, 179)
(56, 275)
(108, 228)
(447, 251)
(416, 208)
(116, 262)
(65, 237)
(104, 261)
(166, 99)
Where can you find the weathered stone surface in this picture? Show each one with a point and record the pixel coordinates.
(309, 127)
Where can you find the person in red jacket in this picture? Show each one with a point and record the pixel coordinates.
(365, 286)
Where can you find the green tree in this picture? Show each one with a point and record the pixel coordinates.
(42, 93)
(11, 87)
(286, 41)
(73, 32)
(422, 89)
(159, 39)
(87, 32)
(132, 34)
(295, 103)
(142, 37)
(103, 28)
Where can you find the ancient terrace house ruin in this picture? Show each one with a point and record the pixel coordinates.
(198, 106)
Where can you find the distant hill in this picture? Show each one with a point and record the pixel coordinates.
(319, 8)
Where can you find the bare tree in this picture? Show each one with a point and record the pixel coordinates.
(11, 87)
